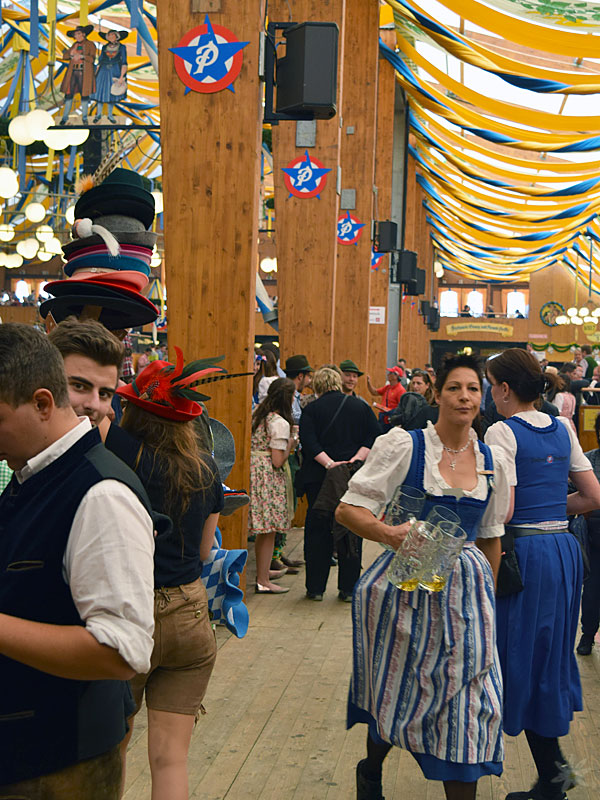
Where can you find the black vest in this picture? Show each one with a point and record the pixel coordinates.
(47, 723)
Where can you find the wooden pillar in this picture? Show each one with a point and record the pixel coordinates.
(359, 105)
(305, 229)
(384, 152)
(210, 162)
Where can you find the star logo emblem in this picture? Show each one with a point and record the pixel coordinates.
(349, 229)
(376, 259)
(305, 176)
(208, 58)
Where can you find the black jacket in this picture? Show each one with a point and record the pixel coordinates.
(354, 427)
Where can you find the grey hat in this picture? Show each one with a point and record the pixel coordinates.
(223, 446)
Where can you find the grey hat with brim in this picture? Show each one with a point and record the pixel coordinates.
(223, 446)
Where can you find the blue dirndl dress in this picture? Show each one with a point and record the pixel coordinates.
(426, 674)
(107, 69)
(537, 626)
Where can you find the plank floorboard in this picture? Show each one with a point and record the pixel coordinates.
(275, 722)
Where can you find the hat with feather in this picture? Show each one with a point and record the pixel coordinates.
(168, 390)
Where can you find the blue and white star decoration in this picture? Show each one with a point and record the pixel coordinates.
(305, 176)
(349, 229)
(376, 259)
(208, 58)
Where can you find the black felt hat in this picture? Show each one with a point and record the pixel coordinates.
(119, 307)
(115, 314)
(85, 29)
(121, 34)
(297, 364)
(122, 193)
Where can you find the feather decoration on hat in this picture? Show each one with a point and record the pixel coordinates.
(163, 383)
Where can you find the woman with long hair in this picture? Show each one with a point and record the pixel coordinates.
(426, 675)
(421, 383)
(537, 625)
(271, 497)
(157, 440)
(264, 375)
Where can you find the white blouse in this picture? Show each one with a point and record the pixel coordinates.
(502, 436)
(388, 463)
(279, 432)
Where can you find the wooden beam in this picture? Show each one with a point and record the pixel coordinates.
(384, 151)
(305, 229)
(211, 171)
(359, 106)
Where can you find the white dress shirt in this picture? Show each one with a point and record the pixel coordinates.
(109, 560)
(388, 463)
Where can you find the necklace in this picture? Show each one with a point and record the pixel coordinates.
(456, 453)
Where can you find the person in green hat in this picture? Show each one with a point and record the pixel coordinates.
(350, 376)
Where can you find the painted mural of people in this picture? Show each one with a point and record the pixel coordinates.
(79, 78)
(111, 83)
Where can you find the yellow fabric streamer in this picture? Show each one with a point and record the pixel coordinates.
(50, 166)
(52, 31)
(83, 12)
(499, 108)
(473, 52)
(462, 116)
(444, 135)
(528, 34)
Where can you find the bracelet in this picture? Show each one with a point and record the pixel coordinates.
(329, 463)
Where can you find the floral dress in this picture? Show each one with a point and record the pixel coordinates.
(270, 487)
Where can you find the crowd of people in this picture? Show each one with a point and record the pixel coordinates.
(106, 606)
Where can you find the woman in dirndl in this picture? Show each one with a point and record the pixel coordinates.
(110, 73)
(537, 625)
(426, 675)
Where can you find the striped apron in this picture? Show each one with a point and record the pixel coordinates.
(426, 674)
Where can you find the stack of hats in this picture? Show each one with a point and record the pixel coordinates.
(108, 260)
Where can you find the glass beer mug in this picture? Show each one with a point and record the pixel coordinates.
(449, 544)
(414, 555)
(405, 506)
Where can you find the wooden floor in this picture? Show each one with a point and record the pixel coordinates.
(275, 722)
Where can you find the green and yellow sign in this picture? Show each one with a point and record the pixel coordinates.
(479, 326)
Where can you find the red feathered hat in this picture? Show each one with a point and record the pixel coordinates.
(165, 389)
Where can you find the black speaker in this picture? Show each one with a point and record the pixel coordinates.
(433, 322)
(386, 237)
(424, 308)
(307, 74)
(406, 266)
(416, 286)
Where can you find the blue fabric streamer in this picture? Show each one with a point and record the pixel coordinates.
(34, 28)
(71, 167)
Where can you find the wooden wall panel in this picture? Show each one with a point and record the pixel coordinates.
(210, 157)
(305, 229)
(357, 158)
(384, 147)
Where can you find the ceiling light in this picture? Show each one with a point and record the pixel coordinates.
(9, 182)
(35, 212)
(7, 232)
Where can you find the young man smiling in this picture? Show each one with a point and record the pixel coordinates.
(92, 357)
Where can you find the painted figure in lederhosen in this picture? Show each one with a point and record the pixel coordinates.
(111, 83)
(79, 78)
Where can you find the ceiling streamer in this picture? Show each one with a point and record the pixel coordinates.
(511, 185)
